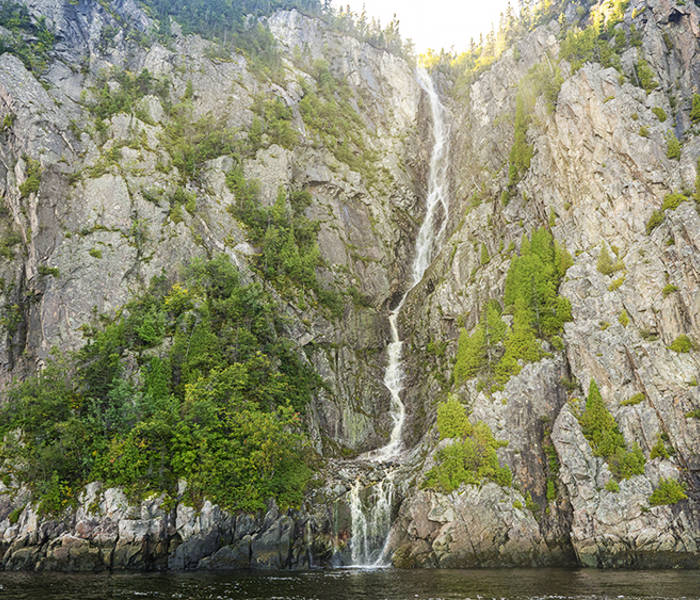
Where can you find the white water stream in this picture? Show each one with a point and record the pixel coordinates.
(371, 520)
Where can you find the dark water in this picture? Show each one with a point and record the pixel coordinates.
(349, 584)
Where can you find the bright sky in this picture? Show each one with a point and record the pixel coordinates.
(434, 23)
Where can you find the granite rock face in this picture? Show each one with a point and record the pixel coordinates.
(599, 170)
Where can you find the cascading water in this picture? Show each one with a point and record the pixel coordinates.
(375, 523)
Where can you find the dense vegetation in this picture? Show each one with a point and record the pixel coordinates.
(328, 112)
(289, 254)
(471, 458)
(601, 430)
(194, 380)
(496, 350)
(29, 39)
(669, 491)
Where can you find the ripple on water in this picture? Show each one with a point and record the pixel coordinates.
(360, 584)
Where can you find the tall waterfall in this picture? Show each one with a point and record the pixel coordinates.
(373, 521)
(425, 246)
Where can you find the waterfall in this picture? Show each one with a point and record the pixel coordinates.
(371, 524)
(370, 511)
(423, 254)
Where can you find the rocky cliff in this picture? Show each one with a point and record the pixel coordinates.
(598, 150)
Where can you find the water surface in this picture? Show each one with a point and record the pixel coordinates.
(354, 584)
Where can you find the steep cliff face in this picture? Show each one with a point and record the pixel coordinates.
(103, 213)
(600, 169)
(98, 203)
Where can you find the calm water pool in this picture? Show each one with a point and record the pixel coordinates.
(353, 584)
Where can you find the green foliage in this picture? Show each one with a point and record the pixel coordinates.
(659, 450)
(532, 283)
(28, 39)
(191, 141)
(632, 400)
(485, 258)
(660, 113)
(538, 311)
(657, 217)
(274, 120)
(452, 419)
(218, 404)
(8, 121)
(476, 351)
(612, 486)
(328, 113)
(223, 20)
(599, 42)
(33, 177)
(617, 283)
(695, 109)
(682, 344)
(471, 459)
(645, 76)
(521, 152)
(601, 430)
(669, 491)
(673, 146)
(673, 201)
(123, 98)
(289, 254)
(669, 288)
(605, 263)
(14, 516)
(471, 354)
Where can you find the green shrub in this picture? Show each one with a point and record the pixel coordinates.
(95, 252)
(605, 263)
(659, 450)
(452, 419)
(33, 178)
(673, 201)
(289, 254)
(329, 115)
(644, 131)
(601, 430)
(673, 146)
(695, 109)
(123, 98)
(485, 258)
(274, 120)
(471, 354)
(14, 516)
(660, 113)
(617, 283)
(682, 344)
(470, 460)
(218, 405)
(636, 399)
(669, 289)
(669, 491)
(612, 486)
(28, 39)
(645, 76)
(623, 318)
(657, 217)
(191, 141)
